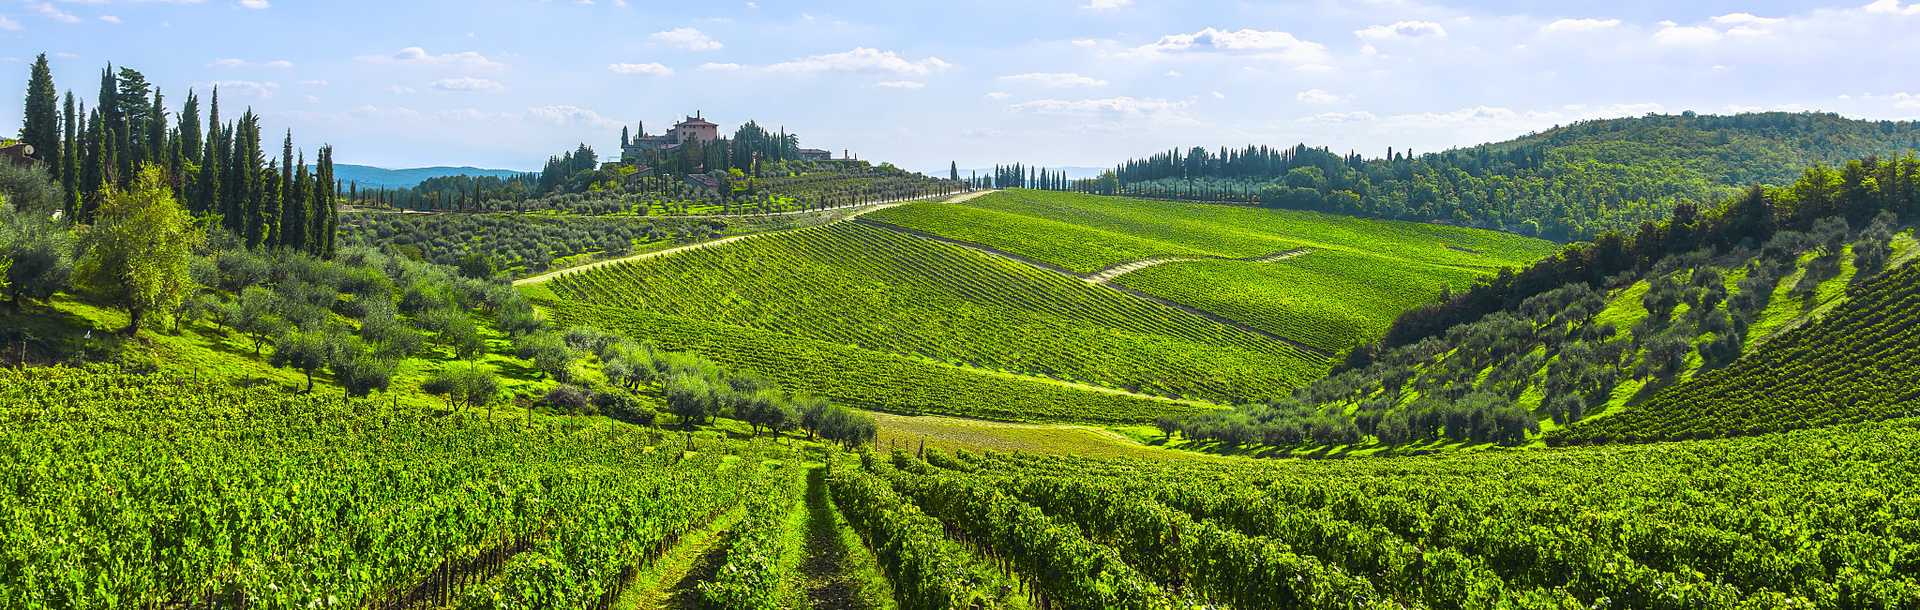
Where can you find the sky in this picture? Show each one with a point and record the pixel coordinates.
(507, 83)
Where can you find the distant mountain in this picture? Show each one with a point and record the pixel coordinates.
(380, 177)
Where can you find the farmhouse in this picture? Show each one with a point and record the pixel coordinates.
(693, 129)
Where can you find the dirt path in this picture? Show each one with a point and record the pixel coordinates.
(1105, 281)
(673, 579)
(550, 275)
(839, 574)
(1108, 274)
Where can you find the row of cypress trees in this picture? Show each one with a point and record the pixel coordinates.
(221, 171)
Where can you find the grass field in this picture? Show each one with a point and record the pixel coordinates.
(886, 292)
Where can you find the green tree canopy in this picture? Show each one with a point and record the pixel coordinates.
(136, 254)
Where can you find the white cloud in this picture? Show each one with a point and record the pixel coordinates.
(1317, 96)
(717, 67)
(647, 69)
(1110, 105)
(686, 38)
(255, 4)
(279, 64)
(312, 83)
(1685, 35)
(569, 116)
(113, 19)
(1336, 118)
(1402, 30)
(900, 84)
(1891, 7)
(863, 60)
(247, 88)
(1054, 79)
(1579, 25)
(468, 84)
(1085, 43)
(9, 24)
(420, 57)
(997, 95)
(1107, 5)
(48, 10)
(402, 89)
(1273, 44)
(1745, 19)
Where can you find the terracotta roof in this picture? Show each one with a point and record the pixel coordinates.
(695, 121)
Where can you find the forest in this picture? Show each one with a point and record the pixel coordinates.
(1575, 182)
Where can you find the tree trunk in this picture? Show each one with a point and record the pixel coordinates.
(133, 321)
(309, 382)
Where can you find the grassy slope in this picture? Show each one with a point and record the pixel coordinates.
(882, 291)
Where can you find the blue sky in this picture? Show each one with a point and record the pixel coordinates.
(505, 83)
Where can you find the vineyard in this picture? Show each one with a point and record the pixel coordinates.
(522, 244)
(157, 491)
(1745, 523)
(883, 291)
(1856, 363)
(1330, 300)
(1353, 277)
(1689, 349)
(1086, 233)
(875, 380)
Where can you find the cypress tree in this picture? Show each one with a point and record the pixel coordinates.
(70, 158)
(210, 156)
(156, 137)
(41, 129)
(189, 128)
(325, 212)
(97, 178)
(270, 204)
(249, 192)
(295, 208)
(286, 174)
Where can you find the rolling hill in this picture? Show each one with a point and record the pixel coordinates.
(367, 176)
(1326, 281)
(876, 314)
(1568, 183)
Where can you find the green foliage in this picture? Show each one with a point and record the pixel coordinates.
(1573, 182)
(464, 384)
(136, 254)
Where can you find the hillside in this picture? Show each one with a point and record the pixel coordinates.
(883, 291)
(1568, 183)
(1706, 340)
(370, 177)
(1326, 281)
